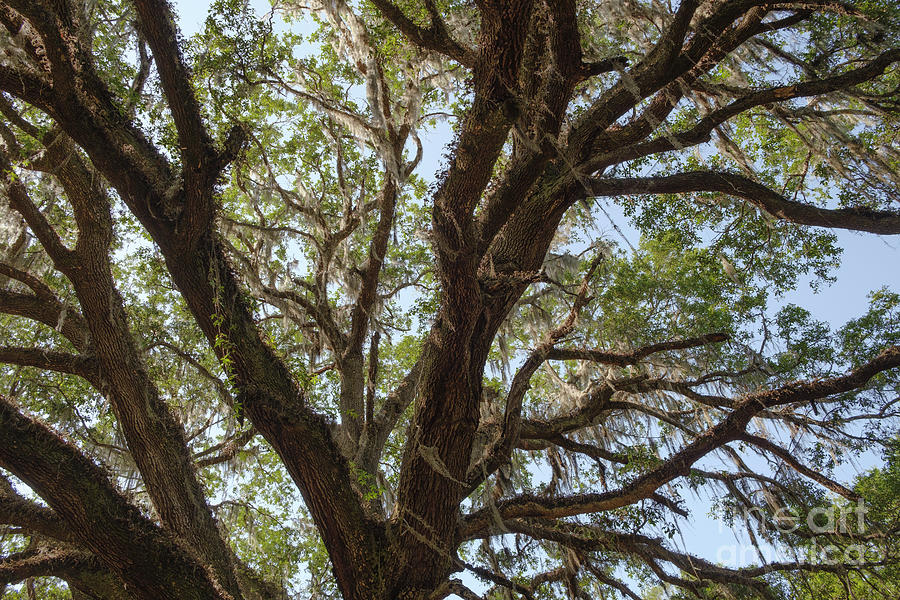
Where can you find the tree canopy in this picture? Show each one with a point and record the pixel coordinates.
(254, 349)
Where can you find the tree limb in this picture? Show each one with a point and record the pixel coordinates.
(61, 362)
(45, 562)
(767, 446)
(767, 200)
(157, 24)
(153, 565)
(51, 312)
(21, 512)
(631, 358)
(435, 37)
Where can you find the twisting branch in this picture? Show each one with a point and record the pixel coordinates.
(435, 37)
(187, 357)
(859, 219)
(597, 400)
(632, 358)
(101, 518)
(772, 448)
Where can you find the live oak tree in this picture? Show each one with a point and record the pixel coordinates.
(253, 347)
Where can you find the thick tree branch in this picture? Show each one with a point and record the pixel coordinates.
(145, 181)
(82, 104)
(435, 37)
(21, 201)
(202, 163)
(595, 401)
(767, 200)
(149, 561)
(360, 314)
(661, 57)
(484, 131)
(155, 438)
(21, 512)
(61, 362)
(565, 41)
(44, 562)
(372, 378)
(51, 312)
(520, 211)
(84, 189)
(446, 418)
(157, 24)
